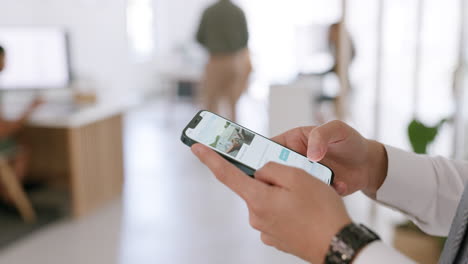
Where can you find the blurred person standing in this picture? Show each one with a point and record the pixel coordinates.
(338, 36)
(223, 32)
(14, 152)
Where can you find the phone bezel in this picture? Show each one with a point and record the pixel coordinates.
(246, 169)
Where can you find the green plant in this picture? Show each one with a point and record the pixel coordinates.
(421, 135)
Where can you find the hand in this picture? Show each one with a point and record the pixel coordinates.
(358, 163)
(38, 101)
(294, 212)
(27, 114)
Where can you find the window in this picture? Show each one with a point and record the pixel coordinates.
(140, 28)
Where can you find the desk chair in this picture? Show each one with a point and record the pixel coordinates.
(16, 192)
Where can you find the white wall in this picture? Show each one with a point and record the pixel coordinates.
(177, 22)
(98, 39)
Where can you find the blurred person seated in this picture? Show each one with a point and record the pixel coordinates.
(224, 34)
(15, 152)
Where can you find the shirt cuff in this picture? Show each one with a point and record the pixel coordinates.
(378, 252)
(409, 183)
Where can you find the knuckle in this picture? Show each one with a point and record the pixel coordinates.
(270, 167)
(220, 170)
(266, 170)
(337, 123)
(341, 127)
(252, 194)
(255, 223)
(257, 208)
(317, 134)
(259, 173)
(266, 240)
(220, 173)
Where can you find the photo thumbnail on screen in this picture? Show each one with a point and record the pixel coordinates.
(232, 139)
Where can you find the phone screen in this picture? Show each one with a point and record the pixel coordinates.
(250, 148)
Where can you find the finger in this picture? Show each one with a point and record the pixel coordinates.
(229, 174)
(295, 139)
(321, 137)
(255, 221)
(277, 174)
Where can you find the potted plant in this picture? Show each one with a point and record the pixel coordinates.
(409, 239)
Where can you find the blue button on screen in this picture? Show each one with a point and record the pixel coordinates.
(284, 155)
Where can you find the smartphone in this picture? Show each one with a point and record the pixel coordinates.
(246, 149)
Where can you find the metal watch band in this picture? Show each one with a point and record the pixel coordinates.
(348, 242)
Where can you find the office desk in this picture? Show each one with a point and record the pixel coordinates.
(79, 150)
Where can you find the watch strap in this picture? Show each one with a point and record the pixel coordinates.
(348, 242)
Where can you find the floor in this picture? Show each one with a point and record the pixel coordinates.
(173, 210)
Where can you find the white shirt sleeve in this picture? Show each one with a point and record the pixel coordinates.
(378, 252)
(427, 189)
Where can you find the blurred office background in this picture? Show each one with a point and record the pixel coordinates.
(110, 180)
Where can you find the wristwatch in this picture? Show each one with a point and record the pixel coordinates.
(348, 242)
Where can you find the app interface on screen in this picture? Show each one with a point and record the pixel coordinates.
(248, 148)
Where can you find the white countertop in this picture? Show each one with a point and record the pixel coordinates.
(64, 115)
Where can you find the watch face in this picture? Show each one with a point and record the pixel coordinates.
(344, 250)
(347, 242)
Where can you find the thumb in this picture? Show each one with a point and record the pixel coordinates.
(321, 137)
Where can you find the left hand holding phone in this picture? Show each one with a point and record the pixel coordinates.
(294, 212)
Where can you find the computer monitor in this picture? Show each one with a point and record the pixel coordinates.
(36, 58)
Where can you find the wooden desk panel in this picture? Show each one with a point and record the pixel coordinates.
(96, 164)
(87, 161)
(49, 155)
